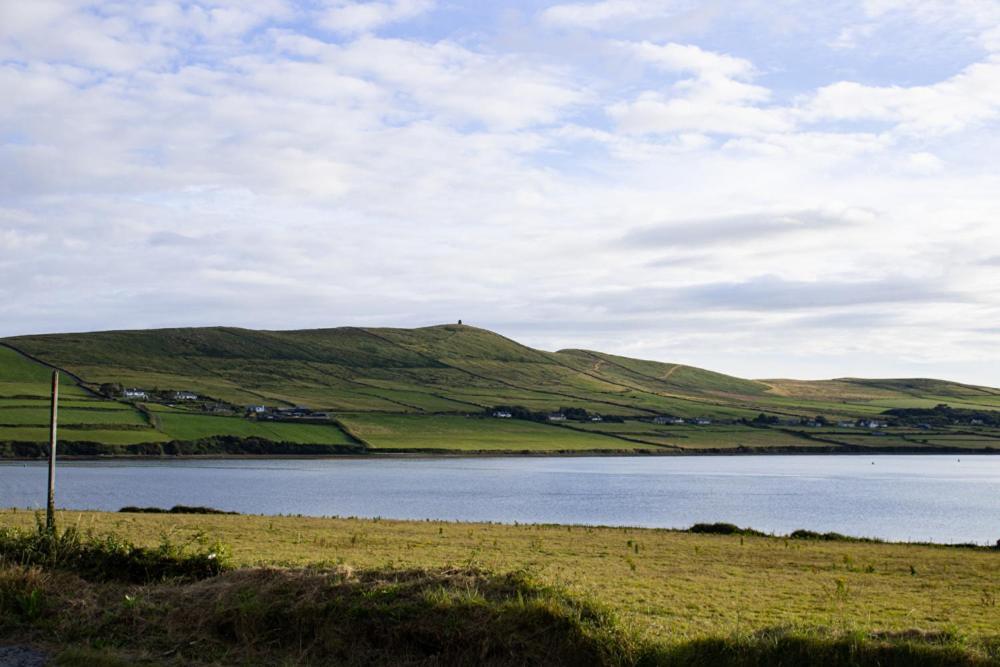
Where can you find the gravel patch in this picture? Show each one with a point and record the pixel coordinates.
(22, 656)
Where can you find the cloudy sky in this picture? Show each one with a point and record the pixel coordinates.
(765, 188)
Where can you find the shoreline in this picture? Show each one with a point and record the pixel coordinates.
(514, 453)
(718, 529)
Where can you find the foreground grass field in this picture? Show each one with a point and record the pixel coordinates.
(665, 586)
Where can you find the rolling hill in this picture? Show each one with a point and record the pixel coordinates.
(409, 388)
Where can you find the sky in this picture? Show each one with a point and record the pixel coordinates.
(767, 188)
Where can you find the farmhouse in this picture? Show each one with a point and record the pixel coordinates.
(502, 414)
(257, 409)
(135, 393)
(557, 417)
(185, 396)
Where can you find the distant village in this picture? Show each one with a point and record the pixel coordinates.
(921, 418)
(192, 400)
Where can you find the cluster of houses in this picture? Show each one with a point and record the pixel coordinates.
(552, 417)
(863, 423)
(135, 394)
(700, 421)
(299, 412)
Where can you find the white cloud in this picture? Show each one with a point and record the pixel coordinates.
(969, 98)
(717, 100)
(690, 58)
(597, 14)
(348, 16)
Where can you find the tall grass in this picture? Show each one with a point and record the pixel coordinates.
(110, 557)
(461, 616)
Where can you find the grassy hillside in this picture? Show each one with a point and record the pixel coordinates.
(334, 591)
(440, 373)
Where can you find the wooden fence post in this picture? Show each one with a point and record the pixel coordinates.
(50, 511)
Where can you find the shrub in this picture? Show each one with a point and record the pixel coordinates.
(109, 557)
(176, 509)
(722, 529)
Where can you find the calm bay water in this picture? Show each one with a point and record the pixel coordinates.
(930, 497)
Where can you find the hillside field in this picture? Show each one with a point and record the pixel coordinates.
(433, 389)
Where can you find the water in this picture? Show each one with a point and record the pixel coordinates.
(920, 498)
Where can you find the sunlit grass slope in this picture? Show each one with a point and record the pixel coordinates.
(475, 434)
(446, 373)
(451, 368)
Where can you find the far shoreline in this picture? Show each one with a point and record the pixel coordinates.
(472, 454)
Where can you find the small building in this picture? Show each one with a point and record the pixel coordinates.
(502, 414)
(597, 418)
(702, 422)
(134, 393)
(185, 396)
(257, 409)
(557, 417)
(663, 420)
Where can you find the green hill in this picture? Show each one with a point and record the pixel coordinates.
(412, 388)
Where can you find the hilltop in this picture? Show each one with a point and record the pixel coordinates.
(414, 389)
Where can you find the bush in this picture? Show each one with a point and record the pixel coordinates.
(109, 557)
(722, 529)
(176, 509)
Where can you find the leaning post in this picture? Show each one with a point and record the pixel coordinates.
(50, 508)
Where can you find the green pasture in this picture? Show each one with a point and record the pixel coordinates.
(189, 426)
(388, 432)
(100, 435)
(68, 415)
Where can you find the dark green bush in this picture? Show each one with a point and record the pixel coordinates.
(722, 529)
(109, 557)
(176, 509)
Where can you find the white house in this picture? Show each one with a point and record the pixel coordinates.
(258, 409)
(185, 396)
(134, 393)
(702, 422)
(557, 417)
(502, 414)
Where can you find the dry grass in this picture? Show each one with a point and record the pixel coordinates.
(662, 583)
